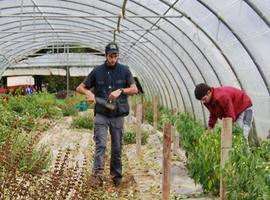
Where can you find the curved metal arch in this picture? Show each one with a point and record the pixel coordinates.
(196, 47)
(87, 12)
(52, 35)
(213, 42)
(155, 74)
(165, 65)
(172, 62)
(93, 36)
(152, 88)
(241, 42)
(30, 34)
(69, 20)
(69, 37)
(62, 36)
(258, 12)
(203, 112)
(99, 8)
(187, 53)
(46, 6)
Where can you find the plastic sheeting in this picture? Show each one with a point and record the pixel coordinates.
(171, 45)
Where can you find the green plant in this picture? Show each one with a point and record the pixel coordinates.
(86, 122)
(148, 112)
(130, 137)
(204, 162)
(189, 131)
(69, 110)
(247, 174)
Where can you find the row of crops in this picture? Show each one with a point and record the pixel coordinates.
(247, 174)
(24, 118)
(23, 163)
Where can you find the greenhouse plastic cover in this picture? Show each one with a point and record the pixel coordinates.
(171, 45)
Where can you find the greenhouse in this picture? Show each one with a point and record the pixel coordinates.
(48, 141)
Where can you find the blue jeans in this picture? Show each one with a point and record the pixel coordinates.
(115, 126)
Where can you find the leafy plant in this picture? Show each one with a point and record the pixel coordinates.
(204, 162)
(247, 174)
(130, 137)
(69, 110)
(85, 122)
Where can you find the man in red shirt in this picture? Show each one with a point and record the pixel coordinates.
(226, 102)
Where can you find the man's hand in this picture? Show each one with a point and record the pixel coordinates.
(208, 131)
(115, 94)
(90, 97)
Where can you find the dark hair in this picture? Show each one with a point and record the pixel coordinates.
(201, 90)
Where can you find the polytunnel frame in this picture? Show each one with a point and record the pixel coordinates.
(36, 24)
(208, 36)
(167, 89)
(176, 69)
(178, 58)
(222, 53)
(241, 41)
(52, 35)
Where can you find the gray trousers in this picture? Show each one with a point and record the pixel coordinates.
(244, 120)
(115, 126)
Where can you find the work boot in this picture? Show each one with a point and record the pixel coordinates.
(117, 181)
(96, 180)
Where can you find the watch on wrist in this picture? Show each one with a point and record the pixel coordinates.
(122, 90)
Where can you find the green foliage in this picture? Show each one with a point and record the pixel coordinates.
(69, 110)
(246, 174)
(189, 130)
(204, 162)
(18, 115)
(130, 137)
(42, 105)
(69, 105)
(148, 112)
(59, 83)
(165, 116)
(85, 122)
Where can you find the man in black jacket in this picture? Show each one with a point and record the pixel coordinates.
(111, 82)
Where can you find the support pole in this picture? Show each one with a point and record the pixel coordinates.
(166, 162)
(139, 128)
(226, 144)
(155, 112)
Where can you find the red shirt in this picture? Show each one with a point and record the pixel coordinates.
(227, 102)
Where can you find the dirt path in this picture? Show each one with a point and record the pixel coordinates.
(74, 149)
(147, 170)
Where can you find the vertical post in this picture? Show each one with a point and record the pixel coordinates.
(142, 102)
(129, 115)
(67, 70)
(175, 140)
(155, 112)
(166, 161)
(138, 128)
(226, 144)
(135, 105)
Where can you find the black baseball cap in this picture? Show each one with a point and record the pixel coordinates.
(111, 48)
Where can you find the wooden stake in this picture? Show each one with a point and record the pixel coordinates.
(166, 162)
(226, 144)
(175, 140)
(138, 128)
(155, 112)
(130, 111)
(142, 101)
